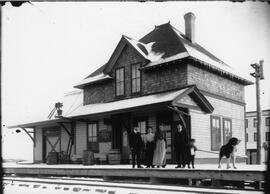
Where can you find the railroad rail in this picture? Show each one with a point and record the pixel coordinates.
(111, 187)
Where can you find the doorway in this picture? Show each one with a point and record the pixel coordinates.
(120, 131)
(51, 141)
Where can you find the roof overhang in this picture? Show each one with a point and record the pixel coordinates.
(39, 123)
(187, 97)
(94, 79)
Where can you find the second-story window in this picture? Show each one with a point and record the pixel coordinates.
(120, 85)
(246, 123)
(135, 78)
(255, 122)
(255, 136)
(266, 136)
(267, 121)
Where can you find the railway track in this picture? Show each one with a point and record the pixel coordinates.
(87, 185)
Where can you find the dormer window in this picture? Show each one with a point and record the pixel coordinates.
(120, 85)
(136, 78)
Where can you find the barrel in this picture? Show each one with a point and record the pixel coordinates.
(114, 156)
(53, 158)
(88, 157)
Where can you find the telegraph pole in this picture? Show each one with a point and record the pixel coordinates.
(258, 75)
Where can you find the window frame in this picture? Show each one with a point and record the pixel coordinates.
(116, 82)
(267, 135)
(246, 137)
(88, 147)
(267, 121)
(223, 126)
(131, 78)
(255, 123)
(217, 147)
(246, 123)
(141, 119)
(255, 137)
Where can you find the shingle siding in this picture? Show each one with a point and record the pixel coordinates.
(164, 78)
(215, 84)
(156, 80)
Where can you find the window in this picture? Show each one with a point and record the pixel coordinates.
(266, 136)
(120, 85)
(255, 136)
(255, 122)
(92, 136)
(246, 123)
(215, 133)
(136, 78)
(267, 121)
(142, 124)
(227, 130)
(246, 137)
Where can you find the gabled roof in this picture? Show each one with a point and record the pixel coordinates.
(165, 44)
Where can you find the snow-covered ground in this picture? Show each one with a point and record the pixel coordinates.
(60, 186)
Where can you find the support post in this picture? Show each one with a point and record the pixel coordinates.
(258, 75)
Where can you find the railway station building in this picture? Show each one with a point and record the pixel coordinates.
(163, 78)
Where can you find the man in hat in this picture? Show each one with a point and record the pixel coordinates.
(136, 145)
(180, 146)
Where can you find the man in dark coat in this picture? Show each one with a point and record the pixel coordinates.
(180, 145)
(136, 145)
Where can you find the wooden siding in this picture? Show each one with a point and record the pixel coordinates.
(38, 147)
(201, 130)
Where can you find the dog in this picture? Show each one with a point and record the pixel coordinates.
(228, 150)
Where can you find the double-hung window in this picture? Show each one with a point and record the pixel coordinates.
(267, 121)
(92, 136)
(255, 122)
(227, 130)
(135, 78)
(215, 133)
(255, 136)
(120, 79)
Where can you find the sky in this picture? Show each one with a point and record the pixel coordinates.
(49, 47)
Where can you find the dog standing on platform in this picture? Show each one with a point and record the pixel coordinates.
(228, 151)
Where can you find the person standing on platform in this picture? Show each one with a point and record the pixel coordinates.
(150, 147)
(191, 153)
(159, 158)
(136, 146)
(181, 146)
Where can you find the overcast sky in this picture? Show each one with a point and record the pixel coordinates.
(50, 47)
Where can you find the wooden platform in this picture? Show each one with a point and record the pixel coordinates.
(243, 173)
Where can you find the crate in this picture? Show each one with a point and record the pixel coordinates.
(114, 156)
(88, 157)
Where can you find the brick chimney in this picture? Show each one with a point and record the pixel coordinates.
(190, 26)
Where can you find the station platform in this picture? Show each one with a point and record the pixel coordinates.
(243, 174)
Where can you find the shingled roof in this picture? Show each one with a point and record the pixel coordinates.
(165, 44)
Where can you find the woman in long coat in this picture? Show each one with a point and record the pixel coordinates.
(159, 158)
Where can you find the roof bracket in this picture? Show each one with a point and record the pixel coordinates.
(28, 133)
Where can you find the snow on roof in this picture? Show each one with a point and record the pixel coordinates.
(214, 64)
(95, 78)
(126, 103)
(145, 49)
